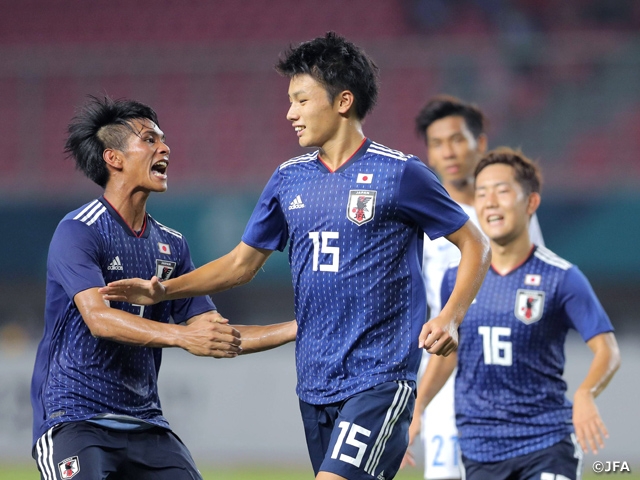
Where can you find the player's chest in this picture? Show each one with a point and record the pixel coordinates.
(127, 257)
(526, 304)
(339, 200)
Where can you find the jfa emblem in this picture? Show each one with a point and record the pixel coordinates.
(69, 467)
(529, 305)
(361, 206)
(164, 269)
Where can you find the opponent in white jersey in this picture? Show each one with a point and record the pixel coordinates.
(454, 135)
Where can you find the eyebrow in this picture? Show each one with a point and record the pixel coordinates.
(296, 93)
(498, 184)
(146, 129)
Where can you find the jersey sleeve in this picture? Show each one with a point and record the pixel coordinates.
(183, 309)
(581, 306)
(267, 227)
(424, 201)
(74, 258)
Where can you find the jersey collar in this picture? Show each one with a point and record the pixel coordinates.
(526, 260)
(359, 153)
(144, 233)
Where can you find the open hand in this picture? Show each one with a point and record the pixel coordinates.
(134, 290)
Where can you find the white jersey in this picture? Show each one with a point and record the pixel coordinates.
(439, 433)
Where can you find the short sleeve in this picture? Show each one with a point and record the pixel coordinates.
(74, 258)
(183, 309)
(581, 306)
(267, 227)
(424, 201)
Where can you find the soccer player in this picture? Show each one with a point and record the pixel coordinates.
(353, 213)
(511, 412)
(455, 138)
(96, 410)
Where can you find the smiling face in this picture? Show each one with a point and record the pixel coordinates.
(314, 117)
(452, 150)
(503, 207)
(145, 157)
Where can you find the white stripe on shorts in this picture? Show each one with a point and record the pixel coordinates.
(393, 413)
(44, 447)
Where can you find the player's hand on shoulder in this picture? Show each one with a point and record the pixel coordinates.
(134, 290)
(590, 429)
(209, 335)
(439, 336)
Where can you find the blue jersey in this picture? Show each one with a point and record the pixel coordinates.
(77, 376)
(355, 238)
(509, 392)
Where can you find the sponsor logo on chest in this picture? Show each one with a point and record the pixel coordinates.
(529, 305)
(361, 206)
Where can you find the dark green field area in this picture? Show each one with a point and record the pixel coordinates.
(29, 472)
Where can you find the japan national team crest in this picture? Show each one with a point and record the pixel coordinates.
(529, 305)
(164, 269)
(69, 467)
(361, 206)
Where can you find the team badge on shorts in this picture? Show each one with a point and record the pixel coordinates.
(361, 206)
(164, 269)
(529, 305)
(69, 467)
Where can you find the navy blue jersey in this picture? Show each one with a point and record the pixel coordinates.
(355, 247)
(509, 391)
(76, 375)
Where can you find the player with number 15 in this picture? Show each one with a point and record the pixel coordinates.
(353, 213)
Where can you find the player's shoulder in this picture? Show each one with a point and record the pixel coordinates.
(546, 256)
(166, 231)
(85, 218)
(298, 161)
(380, 150)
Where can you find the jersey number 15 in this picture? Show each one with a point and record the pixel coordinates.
(325, 249)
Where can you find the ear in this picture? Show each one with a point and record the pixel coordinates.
(112, 158)
(482, 143)
(534, 203)
(345, 101)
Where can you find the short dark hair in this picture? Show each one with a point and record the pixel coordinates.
(102, 123)
(338, 65)
(527, 172)
(443, 106)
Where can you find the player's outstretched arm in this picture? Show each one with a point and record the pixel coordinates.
(590, 429)
(200, 337)
(438, 371)
(231, 270)
(439, 335)
(258, 338)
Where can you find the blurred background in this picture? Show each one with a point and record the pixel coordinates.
(558, 78)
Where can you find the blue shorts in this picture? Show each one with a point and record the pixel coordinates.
(82, 450)
(562, 461)
(364, 436)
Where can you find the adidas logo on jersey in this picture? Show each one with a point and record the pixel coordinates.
(116, 264)
(381, 476)
(297, 203)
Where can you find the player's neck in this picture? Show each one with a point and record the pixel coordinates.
(341, 147)
(461, 192)
(132, 207)
(510, 255)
